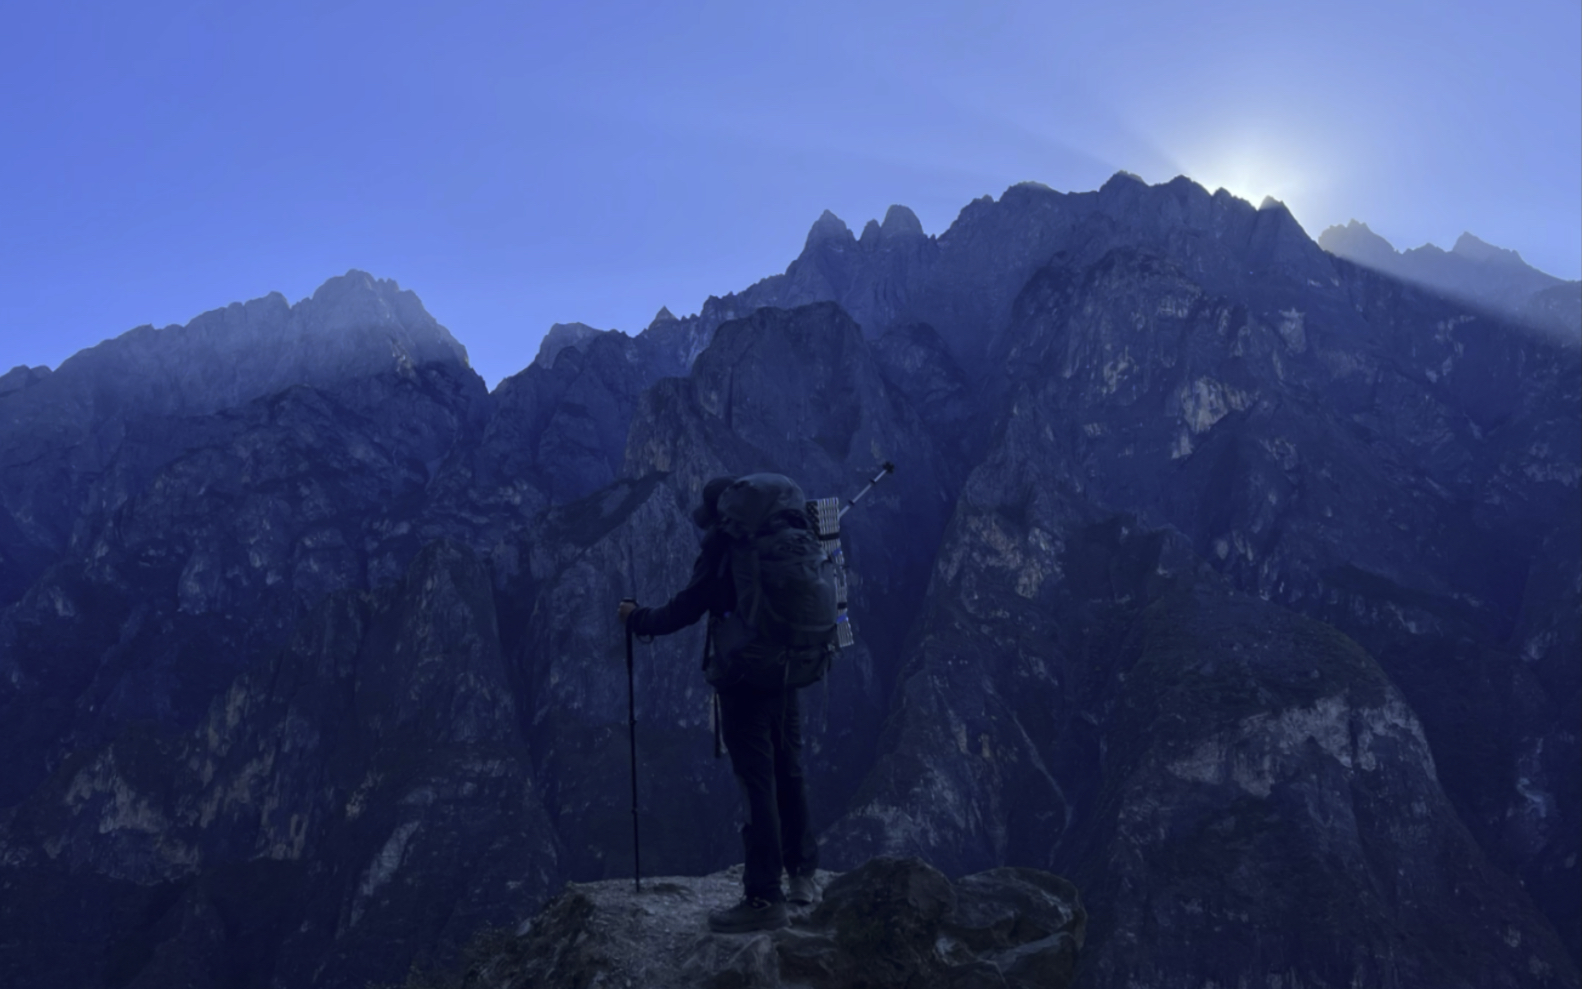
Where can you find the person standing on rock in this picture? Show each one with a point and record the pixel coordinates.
(760, 721)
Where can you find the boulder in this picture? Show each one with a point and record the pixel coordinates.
(891, 923)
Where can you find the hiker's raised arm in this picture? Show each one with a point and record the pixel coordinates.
(689, 604)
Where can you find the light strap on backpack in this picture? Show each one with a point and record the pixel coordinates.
(825, 515)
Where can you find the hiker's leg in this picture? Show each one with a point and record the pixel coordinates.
(798, 846)
(749, 722)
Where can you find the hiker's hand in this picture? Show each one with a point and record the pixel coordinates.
(625, 611)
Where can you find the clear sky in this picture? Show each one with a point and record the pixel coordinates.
(520, 164)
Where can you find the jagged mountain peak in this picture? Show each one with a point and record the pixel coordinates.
(561, 336)
(21, 376)
(1473, 271)
(353, 325)
(1131, 200)
(827, 229)
(899, 221)
(900, 225)
(1186, 185)
(1357, 242)
(1124, 179)
(1475, 249)
(358, 300)
(354, 286)
(1355, 225)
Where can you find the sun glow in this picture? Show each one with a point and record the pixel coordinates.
(1249, 169)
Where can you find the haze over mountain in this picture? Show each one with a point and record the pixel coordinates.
(1233, 578)
(1472, 271)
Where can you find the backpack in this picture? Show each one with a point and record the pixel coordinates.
(785, 629)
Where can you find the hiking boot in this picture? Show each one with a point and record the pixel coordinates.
(802, 890)
(751, 914)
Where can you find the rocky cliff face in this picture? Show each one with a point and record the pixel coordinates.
(1235, 580)
(59, 432)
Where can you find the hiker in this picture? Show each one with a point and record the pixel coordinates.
(761, 725)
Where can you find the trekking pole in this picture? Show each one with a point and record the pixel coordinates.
(631, 734)
(884, 469)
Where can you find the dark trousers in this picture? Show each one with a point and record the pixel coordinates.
(764, 734)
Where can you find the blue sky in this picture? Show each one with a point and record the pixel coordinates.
(529, 163)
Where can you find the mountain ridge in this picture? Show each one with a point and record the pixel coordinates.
(1472, 271)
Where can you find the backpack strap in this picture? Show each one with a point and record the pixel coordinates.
(758, 593)
(714, 704)
(824, 718)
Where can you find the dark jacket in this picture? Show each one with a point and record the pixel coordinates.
(711, 591)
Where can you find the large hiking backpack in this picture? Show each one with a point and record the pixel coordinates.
(784, 630)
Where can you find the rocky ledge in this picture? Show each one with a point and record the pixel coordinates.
(893, 922)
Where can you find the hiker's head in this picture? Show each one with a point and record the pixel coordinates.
(708, 512)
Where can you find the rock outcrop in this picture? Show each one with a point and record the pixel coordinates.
(1243, 732)
(891, 924)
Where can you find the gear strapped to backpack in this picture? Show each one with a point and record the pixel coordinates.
(784, 631)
